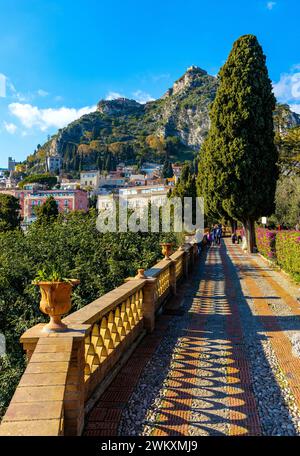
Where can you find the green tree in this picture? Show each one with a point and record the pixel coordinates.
(108, 162)
(237, 170)
(287, 200)
(186, 187)
(99, 161)
(167, 170)
(47, 212)
(9, 213)
(288, 144)
(71, 244)
(46, 179)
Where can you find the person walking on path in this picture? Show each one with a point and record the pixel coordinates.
(219, 234)
(213, 236)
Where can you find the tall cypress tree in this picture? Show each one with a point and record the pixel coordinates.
(186, 187)
(238, 167)
(167, 170)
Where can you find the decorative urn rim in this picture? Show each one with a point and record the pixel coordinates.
(55, 301)
(72, 282)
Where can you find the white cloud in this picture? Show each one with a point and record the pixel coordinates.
(138, 95)
(288, 86)
(270, 5)
(287, 89)
(7, 89)
(295, 108)
(42, 93)
(2, 85)
(13, 93)
(10, 127)
(142, 97)
(31, 116)
(114, 95)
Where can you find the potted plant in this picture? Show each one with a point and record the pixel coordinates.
(166, 249)
(55, 297)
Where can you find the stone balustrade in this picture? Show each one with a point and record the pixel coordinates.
(68, 371)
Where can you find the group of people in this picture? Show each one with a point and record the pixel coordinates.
(236, 237)
(213, 237)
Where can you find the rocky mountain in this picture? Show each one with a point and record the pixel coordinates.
(285, 118)
(173, 126)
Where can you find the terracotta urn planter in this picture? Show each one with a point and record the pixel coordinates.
(166, 249)
(140, 274)
(55, 302)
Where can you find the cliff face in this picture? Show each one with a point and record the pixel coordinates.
(285, 119)
(185, 107)
(123, 128)
(120, 106)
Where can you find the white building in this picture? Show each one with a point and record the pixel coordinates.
(136, 197)
(112, 181)
(141, 195)
(10, 182)
(137, 179)
(70, 184)
(53, 163)
(105, 200)
(89, 179)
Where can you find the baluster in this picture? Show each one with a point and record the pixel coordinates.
(119, 323)
(113, 329)
(105, 333)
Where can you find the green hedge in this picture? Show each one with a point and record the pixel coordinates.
(287, 246)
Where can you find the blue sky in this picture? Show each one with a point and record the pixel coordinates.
(59, 57)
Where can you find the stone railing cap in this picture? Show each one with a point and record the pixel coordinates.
(76, 331)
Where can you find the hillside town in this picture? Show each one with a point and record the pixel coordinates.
(138, 186)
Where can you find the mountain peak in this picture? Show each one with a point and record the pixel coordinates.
(195, 70)
(193, 77)
(118, 106)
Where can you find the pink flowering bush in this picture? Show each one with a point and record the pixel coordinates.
(288, 252)
(265, 240)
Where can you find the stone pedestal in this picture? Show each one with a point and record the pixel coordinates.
(53, 354)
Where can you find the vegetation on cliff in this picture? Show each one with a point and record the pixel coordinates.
(172, 127)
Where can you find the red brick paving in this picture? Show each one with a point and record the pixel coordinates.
(280, 342)
(104, 419)
(231, 407)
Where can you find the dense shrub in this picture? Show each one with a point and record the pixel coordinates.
(100, 260)
(44, 179)
(265, 240)
(288, 252)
